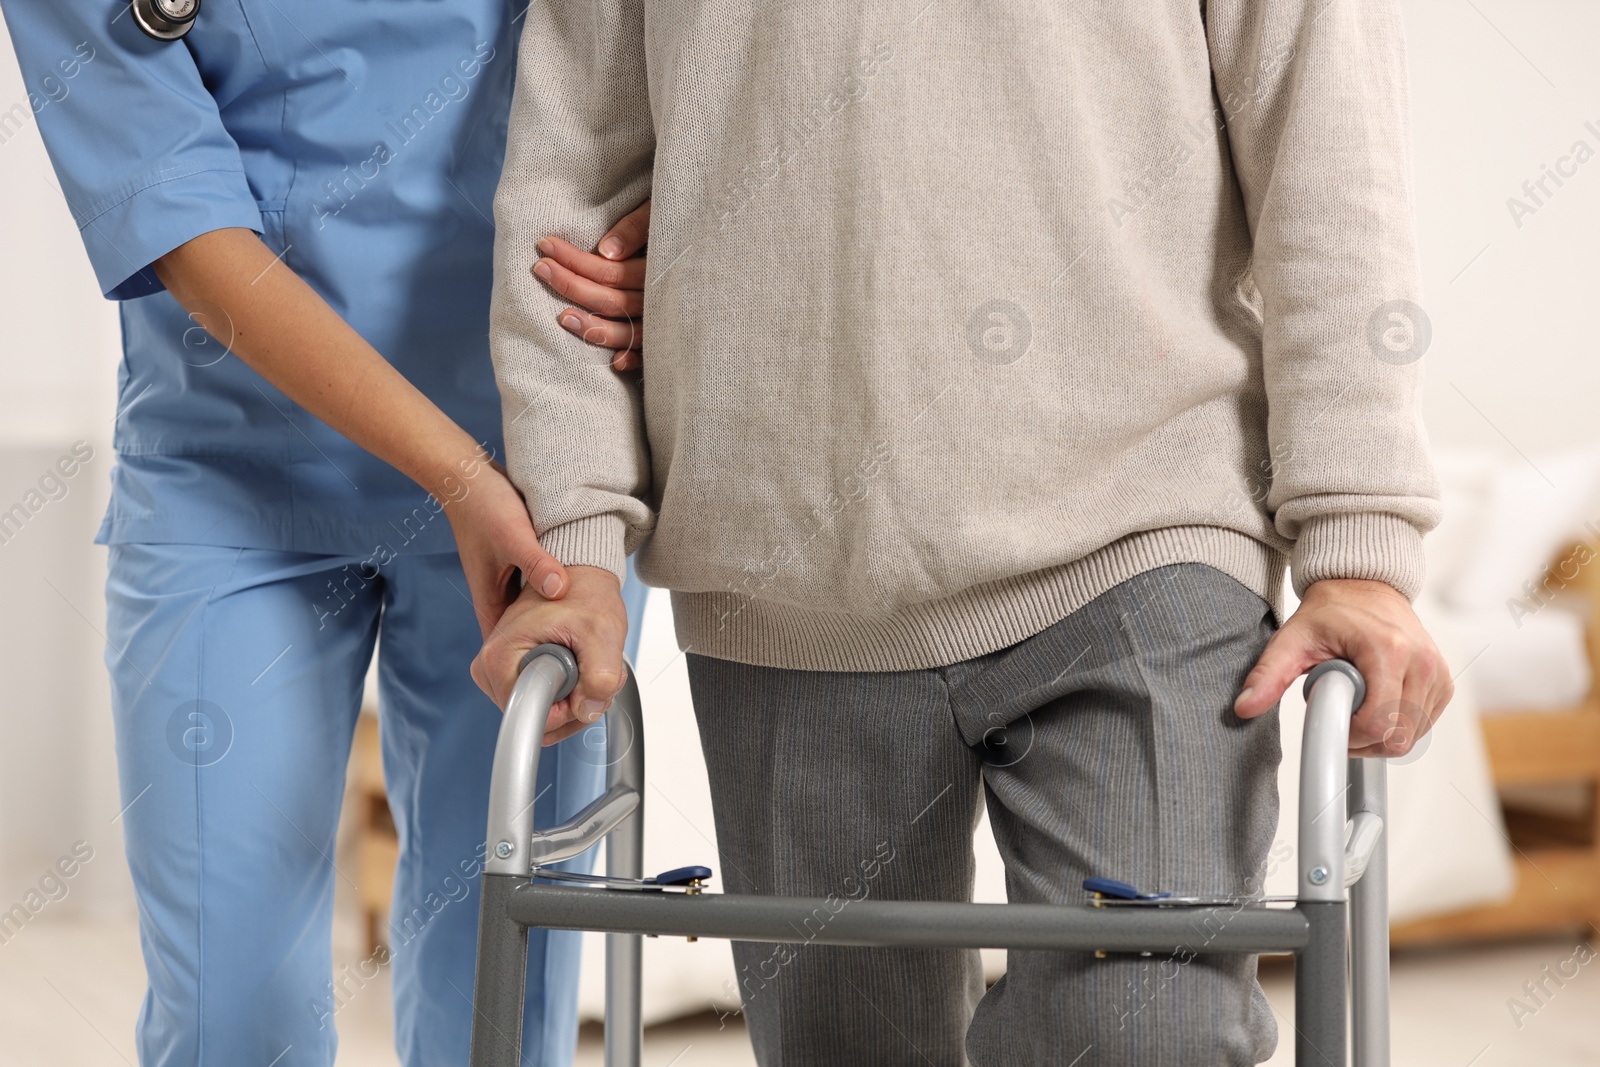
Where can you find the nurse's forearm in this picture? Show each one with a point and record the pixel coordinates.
(233, 285)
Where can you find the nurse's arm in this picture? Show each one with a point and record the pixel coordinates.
(234, 286)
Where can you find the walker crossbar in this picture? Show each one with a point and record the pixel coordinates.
(1332, 789)
(912, 923)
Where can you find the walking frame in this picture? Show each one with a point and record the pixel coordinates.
(1332, 855)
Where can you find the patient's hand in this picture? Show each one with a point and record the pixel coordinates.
(608, 286)
(590, 619)
(1371, 625)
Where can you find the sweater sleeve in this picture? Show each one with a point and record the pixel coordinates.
(578, 157)
(1312, 95)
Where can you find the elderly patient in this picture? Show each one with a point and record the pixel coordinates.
(1001, 357)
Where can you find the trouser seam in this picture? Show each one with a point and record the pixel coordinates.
(199, 828)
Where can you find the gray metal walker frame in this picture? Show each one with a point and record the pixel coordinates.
(1333, 854)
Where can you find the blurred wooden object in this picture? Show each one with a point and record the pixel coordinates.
(377, 847)
(1557, 857)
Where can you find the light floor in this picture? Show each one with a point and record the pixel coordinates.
(69, 992)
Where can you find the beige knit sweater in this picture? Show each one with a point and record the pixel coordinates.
(960, 314)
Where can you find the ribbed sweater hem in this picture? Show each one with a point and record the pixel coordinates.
(971, 623)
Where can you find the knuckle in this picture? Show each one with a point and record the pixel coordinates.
(500, 666)
(604, 679)
(605, 672)
(631, 229)
(561, 280)
(597, 335)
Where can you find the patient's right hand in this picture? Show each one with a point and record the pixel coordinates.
(590, 619)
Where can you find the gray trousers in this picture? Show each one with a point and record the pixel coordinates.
(1105, 745)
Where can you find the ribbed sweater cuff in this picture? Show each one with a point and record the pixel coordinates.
(1374, 545)
(592, 542)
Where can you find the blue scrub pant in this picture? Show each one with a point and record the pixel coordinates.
(236, 682)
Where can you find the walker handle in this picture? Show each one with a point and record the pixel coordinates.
(548, 674)
(1334, 855)
(564, 656)
(1334, 690)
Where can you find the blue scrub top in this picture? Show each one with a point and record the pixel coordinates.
(363, 140)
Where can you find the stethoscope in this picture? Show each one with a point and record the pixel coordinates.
(165, 20)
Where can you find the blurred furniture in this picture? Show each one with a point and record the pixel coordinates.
(1544, 756)
(377, 848)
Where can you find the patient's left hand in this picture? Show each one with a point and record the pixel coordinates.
(1371, 625)
(609, 286)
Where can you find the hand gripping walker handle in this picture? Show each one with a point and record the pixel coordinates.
(1334, 854)
(515, 850)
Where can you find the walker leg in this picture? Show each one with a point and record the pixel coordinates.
(1369, 925)
(624, 1027)
(625, 858)
(502, 974)
(1319, 991)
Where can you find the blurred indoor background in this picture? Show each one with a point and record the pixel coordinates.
(1496, 864)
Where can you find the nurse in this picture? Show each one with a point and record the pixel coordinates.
(278, 193)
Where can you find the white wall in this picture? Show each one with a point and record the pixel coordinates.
(1499, 87)
(58, 358)
(58, 338)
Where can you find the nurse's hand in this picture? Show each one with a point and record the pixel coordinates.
(591, 620)
(608, 287)
(496, 541)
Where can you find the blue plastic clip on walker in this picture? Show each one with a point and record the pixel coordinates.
(1110, 887)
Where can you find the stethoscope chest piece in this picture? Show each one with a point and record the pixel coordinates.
(165, 20)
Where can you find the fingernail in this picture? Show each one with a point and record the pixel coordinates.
(571, 322)
(611, 248)
(551, 586)
(545, 246)
(591, 711)
(541, 270)
(1243, 697)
